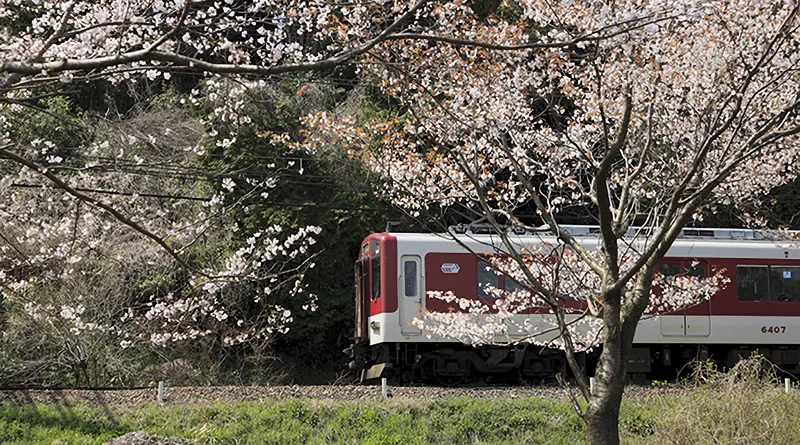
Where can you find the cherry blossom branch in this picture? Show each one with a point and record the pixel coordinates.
(625, 212)
(169, 34)
(548, 296)
(738, 97)
(550, 220)
(569, 349)
(152, 55)
(58, 32)
(4, 153)
(675, 219)
(15, 248)
(511, 248)
(604, 204)
(109, 24)
(593, 36)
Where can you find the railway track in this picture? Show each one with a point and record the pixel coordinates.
(221, 394)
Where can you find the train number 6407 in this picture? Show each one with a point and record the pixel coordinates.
(773, 329)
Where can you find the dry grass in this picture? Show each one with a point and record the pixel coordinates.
(745, 405)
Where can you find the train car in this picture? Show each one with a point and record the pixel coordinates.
(759, 310)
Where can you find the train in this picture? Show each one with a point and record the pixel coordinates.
(758, 310)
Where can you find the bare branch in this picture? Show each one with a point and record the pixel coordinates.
(607, 229)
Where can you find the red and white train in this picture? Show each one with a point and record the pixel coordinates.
(758, 310)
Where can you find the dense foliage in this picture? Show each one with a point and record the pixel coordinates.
(109, 317)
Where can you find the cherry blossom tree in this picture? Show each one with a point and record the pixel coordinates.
(50, 46)
(58, 207)
(50, 41)
(89, 288)
(642, 131)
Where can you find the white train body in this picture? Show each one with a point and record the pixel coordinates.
(759, 308)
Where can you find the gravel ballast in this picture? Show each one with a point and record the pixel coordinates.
(211, 394)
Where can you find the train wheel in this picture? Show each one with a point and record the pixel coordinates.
(449, 377)
(450, 380)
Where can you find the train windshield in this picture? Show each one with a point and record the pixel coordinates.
(376, 278)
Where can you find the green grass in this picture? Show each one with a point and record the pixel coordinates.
(50, 423)
(742, 413)
(453, 421)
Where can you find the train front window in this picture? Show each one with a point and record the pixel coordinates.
(376, 278)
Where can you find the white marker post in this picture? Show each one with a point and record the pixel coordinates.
(591, 385)
(160, 392)
(384, 388)
(787, 385)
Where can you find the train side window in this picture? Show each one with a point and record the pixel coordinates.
(669, 269)
(486, 277)
(511, 285)
(752, 283)
(697, 270)
(410, 278)
(784, 283)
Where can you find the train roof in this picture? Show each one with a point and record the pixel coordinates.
(693, 242)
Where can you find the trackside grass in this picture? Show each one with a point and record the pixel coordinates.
(686, 418)
(739, 407)
(454, 421)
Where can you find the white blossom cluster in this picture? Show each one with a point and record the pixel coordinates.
(704, 79)
(55, 245)
(143, 36)
(71, 318)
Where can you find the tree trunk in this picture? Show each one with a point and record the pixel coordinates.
(602, 414)
(2, 315)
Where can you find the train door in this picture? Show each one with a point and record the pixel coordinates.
(411, 284)
(698, 320)
(691, 322)
(673, 324)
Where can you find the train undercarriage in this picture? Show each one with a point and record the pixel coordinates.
(454, 364)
